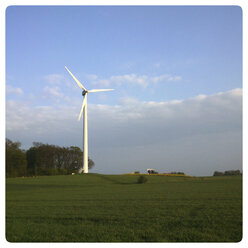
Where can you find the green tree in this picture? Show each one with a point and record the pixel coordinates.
(32, 166)
(76, 161)
(45, 159)
(16, 163)
(218, 173)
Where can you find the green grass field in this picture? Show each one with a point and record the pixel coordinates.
(114, 208)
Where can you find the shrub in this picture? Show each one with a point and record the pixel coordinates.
(142, 179)
(180, 173)
(227, 173)
(218, 173)
(232, 172)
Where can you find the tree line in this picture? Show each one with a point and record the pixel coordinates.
(227, 173)
(42, 159)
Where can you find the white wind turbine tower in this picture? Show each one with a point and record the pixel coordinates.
(84, 107)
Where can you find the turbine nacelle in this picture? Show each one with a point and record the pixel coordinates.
(84, 92)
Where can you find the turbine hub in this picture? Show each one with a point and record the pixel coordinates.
(84, 92)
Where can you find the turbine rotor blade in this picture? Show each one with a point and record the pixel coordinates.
(83, 105)
(99, 90)
(79, 84)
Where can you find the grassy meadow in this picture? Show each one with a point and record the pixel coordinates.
(114, 208)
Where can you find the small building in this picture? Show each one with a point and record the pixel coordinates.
(151, 171)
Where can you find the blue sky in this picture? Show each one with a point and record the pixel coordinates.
(202, 45)
(149, 55)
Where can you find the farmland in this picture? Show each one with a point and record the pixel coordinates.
(114, 208)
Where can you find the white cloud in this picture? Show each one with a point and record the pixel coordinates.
(134, 79)
(174, 78)
(128, 101)
(54, 78)
(157, 65)
(91, 77)
(119, 80)
(13, 90)
(196, 135)
(53, 91)
(201, 97)
(58, 79)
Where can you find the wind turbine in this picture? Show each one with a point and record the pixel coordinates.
(84, 108)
